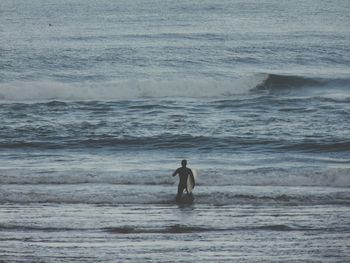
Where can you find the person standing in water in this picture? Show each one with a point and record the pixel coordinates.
(183, 173)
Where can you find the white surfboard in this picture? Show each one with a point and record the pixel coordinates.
(190, 182)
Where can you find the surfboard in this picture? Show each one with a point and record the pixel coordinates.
(187, 197)
(190, 184)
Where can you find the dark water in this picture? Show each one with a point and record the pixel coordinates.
(100, 101)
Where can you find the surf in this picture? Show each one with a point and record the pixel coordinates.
(249, 84)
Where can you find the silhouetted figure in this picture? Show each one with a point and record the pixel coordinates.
(183, 173)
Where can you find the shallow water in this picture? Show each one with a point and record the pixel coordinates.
(168, 233)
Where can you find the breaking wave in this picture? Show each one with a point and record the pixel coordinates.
(266, 176)
(274, 81)
(305, 86)
(136, 89)
(124, 90)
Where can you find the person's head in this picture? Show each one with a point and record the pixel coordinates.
(183, 163)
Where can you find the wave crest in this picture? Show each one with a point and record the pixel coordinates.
(124, 90)
(136, 89)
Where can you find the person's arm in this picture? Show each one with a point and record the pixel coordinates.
(176, 172)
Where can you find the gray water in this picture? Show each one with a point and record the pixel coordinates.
(100, 101)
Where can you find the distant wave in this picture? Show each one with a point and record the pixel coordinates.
(124, 90)
(313, 146)
(175, 141)
(274, 81)
(136, 89)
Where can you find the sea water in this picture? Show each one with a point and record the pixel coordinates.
(101, 100)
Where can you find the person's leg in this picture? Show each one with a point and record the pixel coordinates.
(180, 190)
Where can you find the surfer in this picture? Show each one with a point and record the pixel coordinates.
(183, 173)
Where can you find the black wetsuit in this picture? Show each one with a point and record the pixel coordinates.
(183, 173)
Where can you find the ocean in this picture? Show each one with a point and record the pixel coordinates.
(101, 100)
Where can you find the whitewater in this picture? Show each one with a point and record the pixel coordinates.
(100, 102)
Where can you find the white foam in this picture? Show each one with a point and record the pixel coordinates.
(129, 89)
(332, 177)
